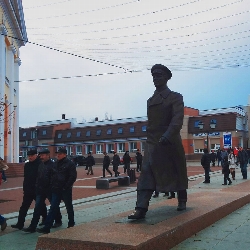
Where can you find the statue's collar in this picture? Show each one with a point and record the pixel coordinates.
(164, 93)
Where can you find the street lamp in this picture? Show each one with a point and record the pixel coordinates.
(212, 126)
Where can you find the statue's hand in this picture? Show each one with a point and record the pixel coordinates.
(164, 141)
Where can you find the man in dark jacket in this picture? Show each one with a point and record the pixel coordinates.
(43, 191)
(90, 162)
(138, 157)
(243, 160)
(105, 164)
(116, 162)
(63, 177)
(29, 188)
(126, 160)
(213, 158)
(205, 163)
(164, 165)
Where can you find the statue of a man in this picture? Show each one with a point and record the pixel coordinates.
(164, 166)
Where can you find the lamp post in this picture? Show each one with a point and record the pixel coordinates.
(212, 125)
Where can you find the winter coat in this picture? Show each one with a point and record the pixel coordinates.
(242, 156)
(30, 175)
(90, 161)
(63, 175)
(164, 166)
(138, 157)
(126, 159)
(43, 180)
(205, 160)
(232, 159)
(116, 160)
(106, 161)
(213, 156)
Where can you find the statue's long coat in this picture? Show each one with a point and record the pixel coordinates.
(164, 166)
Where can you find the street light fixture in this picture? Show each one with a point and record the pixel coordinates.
(212, 125)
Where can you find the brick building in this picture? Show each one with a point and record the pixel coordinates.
(230, 129)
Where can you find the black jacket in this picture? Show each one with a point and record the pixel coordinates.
(116, 160)
(30, 175)
(106, 161)
(138, 157)
(205, 160)
(43, 180)
(242, 156)
(126, 159)
(63, 175)
(90, 161)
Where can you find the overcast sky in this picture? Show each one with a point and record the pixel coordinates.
(111, 46)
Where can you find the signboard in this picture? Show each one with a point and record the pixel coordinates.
(227, 139)
(209, 134)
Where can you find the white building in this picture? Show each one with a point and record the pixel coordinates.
(12, 37)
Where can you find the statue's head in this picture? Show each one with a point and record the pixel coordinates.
(157, 68)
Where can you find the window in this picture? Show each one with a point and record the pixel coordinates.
(69, 150)
(44, 132)
(78, 134)
(98, 132)
(24, 134)
(88, 133)
(99, 148)
(78, 150)
(33, 134)
(196, 124)
(88, 148)
(121, 147)
(109, 131)
(110, 148)
(68, 134)
(144, 128)
(120, 130)
(132, 146)
(59, 135)
(132, 129)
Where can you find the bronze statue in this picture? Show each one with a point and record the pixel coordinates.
(164, 166)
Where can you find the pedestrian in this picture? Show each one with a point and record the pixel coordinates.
(3, 167)
(43, 191)
(164, 165)
(225, 171)
(90, 162)
(116, 162)
(63, 177)
(213, 157)
(3, 223)
(218, 156)
(243, 160)
(105, 164)
(29, 188)
(205, 162)
(126, 162)
(232, 159)
(138, 160)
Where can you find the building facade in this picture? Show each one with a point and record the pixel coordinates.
(13, 36)
(230, 129)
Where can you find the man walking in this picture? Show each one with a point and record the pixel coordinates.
(29, 189)
(164, 166)
(105, 164)
(90, 163)
(43, 191)
(138, 157)
(116, 162)
(243, 160)
(63, 177)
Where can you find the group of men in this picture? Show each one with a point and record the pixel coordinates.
(45, 179)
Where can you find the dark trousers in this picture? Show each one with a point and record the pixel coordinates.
(138, 168)
(107, 169)
(115, 169)
(143, 197)
(3, 176)
(40, 200)
(27, 200)
(66, 196)
(226, 177)
(207, 176)
(243, 167)
(126, 167)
